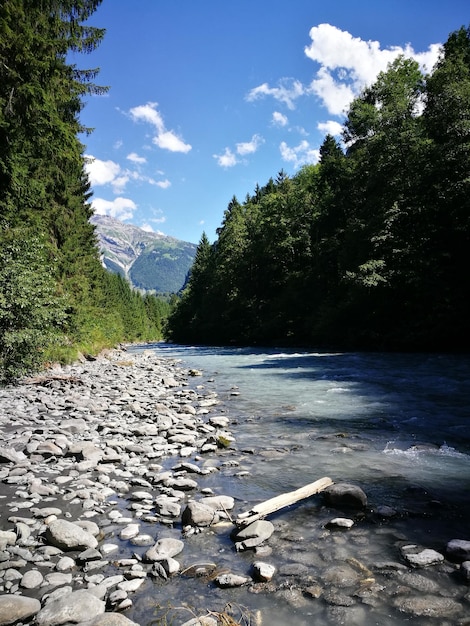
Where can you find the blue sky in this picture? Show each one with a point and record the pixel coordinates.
(208, 98)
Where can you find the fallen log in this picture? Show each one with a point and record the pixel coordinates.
(279, 502)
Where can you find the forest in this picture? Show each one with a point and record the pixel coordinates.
(367, 249)
(56, 299)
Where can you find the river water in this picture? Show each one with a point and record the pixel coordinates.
(397, 425)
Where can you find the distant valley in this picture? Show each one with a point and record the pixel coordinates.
(150, 261)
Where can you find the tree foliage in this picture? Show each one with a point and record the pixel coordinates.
(52, 284)
(366, 249)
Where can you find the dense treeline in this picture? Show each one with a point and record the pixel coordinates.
(55, 297)
(369, 248)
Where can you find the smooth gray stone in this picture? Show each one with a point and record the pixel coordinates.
(199, 514)
(253, 535)
(74, 607)
(230, 580)
(345, 495)
(164, 549)
(16, 608)
(69, 536)
(458, 550)
(429, 606)
(109, 619)
(32, 579)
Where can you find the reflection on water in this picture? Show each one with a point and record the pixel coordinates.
(395, 424)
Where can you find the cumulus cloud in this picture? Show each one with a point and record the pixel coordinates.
(348, 64)
(165, 139)
(299, 155)
(101, 172)
(249, 147)
(227, 159)
(278, 119)
(135, 158)
(287, 92)
(330, 128)
(119, 208)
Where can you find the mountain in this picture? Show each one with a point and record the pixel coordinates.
(150, 261)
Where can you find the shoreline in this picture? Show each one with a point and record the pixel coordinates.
(84, 444)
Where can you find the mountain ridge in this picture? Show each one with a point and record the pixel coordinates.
(150, 261)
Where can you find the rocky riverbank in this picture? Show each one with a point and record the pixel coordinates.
(105, 469)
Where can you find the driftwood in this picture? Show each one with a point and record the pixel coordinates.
(279, 502)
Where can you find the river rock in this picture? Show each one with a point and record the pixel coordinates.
(263, 572)
(465, 570)
(253, 535)
(429, 606)
(219, 503)
(77, 606)
(197, 513)
(345, 495)
(7, 538)
(32, 579)
(340, 522)
(167, 506)
(164, 549)
(69, 536)
(109, 619)
(417, 556)
(458, 550)
(230, 580)
(10, 455)
(16, 608)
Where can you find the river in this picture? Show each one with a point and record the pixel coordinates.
(397, 425)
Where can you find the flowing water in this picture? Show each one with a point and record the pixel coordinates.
(397, 425)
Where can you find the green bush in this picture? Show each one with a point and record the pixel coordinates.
(31, 312)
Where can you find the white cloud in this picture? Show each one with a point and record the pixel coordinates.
(147, 228)
(135, 158)
(165, 139)
(279, 119)
(120, 208)
(249, 147)
(330, 128)
(163, 184)
(287, 92)
(348, 64)
(299, 155)
(101, 172)
(120, 182)
(148, 113)
(335, 96)
(227, 159)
